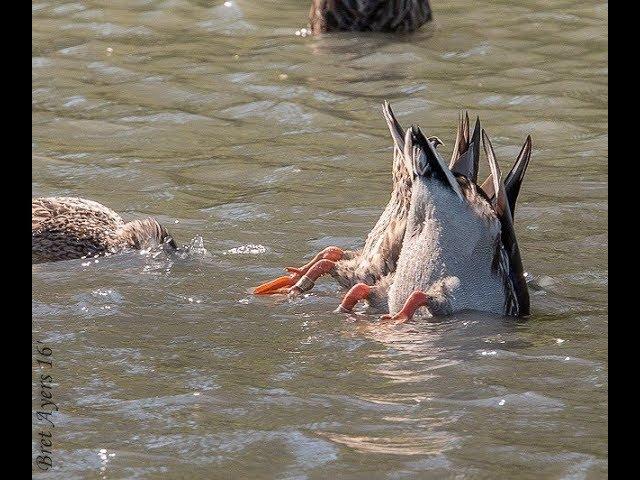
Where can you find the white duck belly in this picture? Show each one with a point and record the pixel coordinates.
(451, 242)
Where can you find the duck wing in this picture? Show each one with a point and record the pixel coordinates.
(69, 212)
(517, 291)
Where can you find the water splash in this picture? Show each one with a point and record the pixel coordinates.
(195, 248)
(248, 249)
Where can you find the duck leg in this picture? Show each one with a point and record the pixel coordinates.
(416, 300)
(330, 253)
(360, 291)
(307, 280)
(286, 282)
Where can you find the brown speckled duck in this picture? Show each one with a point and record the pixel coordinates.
(368, 15)
(382, 247)
(460, 250)
(64, 228)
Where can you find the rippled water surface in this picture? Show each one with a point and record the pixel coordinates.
(227, 123)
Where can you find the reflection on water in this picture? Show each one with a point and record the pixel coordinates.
(256, 147)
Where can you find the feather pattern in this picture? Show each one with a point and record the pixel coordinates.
(382, 246)
(379, 256)
(64, 228)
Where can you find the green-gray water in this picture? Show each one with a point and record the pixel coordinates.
(225, 124)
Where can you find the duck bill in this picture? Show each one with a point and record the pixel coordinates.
(280, 285)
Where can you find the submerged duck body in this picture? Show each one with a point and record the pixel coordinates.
(64, 228)
(461, 241)
(368, 15)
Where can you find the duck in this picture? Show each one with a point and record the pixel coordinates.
(460, 250)
(65, 228)
(368, 15)
(379, 255)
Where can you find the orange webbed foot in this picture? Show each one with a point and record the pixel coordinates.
(278, 285)
(303, 278)
(294, 270)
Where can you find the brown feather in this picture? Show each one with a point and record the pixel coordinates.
(368, 15)
(64, 228)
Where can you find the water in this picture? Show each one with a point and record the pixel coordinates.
(225, 124)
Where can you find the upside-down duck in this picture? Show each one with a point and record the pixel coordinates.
(459, 251)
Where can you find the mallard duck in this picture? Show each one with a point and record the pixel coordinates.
(460, 250)
(63, 228)
(368, 15)
(382, 246)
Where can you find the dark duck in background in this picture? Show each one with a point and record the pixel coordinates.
(368, 15)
